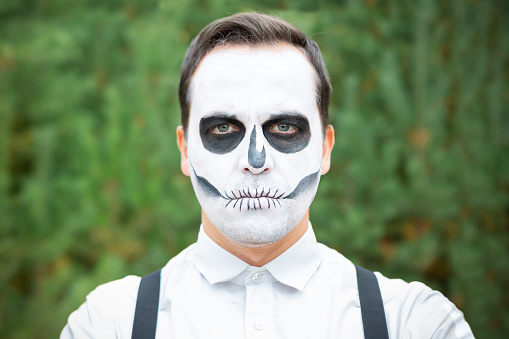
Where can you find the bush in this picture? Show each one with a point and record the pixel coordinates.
(90, 183)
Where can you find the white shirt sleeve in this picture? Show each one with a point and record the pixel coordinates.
(413, 310)
(440, 319)
(108, 312)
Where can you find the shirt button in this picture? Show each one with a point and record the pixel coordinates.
(255, 277)
(258, 325)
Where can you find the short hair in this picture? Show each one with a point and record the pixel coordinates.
(254, 29)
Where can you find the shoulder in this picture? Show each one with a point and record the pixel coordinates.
(412, 308)
(392, 290)
(108, 310)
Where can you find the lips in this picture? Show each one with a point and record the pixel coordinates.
(253, 199)
(263, 203)
(254, 193)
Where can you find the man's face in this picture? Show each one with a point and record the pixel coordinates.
(254, 141)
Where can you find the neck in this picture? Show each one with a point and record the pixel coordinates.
(255, 256)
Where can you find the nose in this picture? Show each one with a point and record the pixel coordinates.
(257, 161)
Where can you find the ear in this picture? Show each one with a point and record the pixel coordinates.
(328, 144)
(181, 142)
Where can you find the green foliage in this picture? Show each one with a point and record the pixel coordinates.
(90, 182)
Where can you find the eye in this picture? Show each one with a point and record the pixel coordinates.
(225, 129)
(282, 128)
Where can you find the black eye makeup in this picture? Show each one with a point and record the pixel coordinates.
(287, 133)
(221, 134)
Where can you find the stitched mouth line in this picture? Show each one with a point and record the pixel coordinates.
(252, 200)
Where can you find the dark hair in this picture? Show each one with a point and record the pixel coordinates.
(252, 29)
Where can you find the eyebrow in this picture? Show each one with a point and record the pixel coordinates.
(286, 115)
(220, 115)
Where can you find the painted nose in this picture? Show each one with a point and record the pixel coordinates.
(257, 161)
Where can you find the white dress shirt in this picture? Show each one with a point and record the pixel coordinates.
(309, 291)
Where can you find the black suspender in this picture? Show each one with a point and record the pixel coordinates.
(372, 307)
(147, 305)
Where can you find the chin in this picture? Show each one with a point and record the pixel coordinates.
(254, 227)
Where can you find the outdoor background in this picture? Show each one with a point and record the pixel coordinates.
(90, 182)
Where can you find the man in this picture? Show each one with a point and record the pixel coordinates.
(255, 139)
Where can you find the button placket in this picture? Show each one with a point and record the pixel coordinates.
(259, 305)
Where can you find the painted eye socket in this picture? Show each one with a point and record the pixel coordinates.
(221, 134)
(287, 133)
(225, 129)
(282, 128)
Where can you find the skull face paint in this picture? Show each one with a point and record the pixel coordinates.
(254, 141)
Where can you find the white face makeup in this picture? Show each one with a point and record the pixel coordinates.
(254, 141)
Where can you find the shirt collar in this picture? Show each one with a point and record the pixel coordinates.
(293, 268)
(214, 262)
(298, 263)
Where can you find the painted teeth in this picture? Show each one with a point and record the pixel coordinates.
(253, 200)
